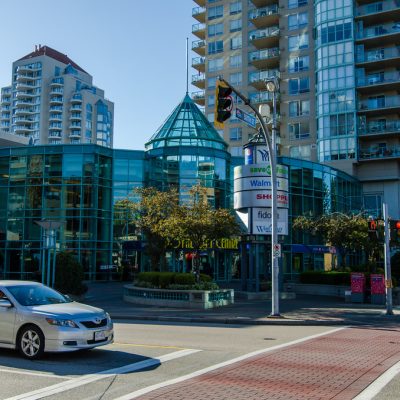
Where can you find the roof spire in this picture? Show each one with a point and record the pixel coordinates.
(187, 65)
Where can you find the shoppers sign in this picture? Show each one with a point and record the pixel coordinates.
(259, 198)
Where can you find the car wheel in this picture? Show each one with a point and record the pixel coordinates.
(31, 342)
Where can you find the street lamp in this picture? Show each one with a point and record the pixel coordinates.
(272, 85)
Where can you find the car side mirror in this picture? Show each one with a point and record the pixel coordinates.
(5, 303)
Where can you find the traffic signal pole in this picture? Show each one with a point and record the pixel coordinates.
(272, 160)
(388, 271)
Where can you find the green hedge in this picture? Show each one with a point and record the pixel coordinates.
(163, 280)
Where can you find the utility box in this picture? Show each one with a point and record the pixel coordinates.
(357, 287)
(378, 290)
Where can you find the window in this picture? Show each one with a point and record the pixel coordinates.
(236, 79)
(299, 108)
(299, 130)
(235, 25)
(235, 134)
(216, 47)
(211, 100)
(303, 152)
(334, 31)
(236, 43)
(298, 42)
(235, 7)
(297, 21)
(215, 29)
(236, 151)
(215, 64)
(296, 3)
(215, 12)
(299, 85)
(297, 64)
(210, 117)
(235, 61)
(211, 82)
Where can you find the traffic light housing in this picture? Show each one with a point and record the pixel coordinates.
(372, 229)
(395, 231)
(223, 104)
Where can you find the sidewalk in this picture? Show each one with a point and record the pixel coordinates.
(304, 310)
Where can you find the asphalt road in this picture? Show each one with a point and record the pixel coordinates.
(143, 355)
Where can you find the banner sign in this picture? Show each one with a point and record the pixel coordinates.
(259, 198)
(357, 282)
(251, 170)
(259, 182)
(265, 228)
(378, 284)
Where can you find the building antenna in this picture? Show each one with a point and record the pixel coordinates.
(187, 65)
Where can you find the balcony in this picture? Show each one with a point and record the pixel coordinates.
(55, 126)
(199, 97)
(199, 47)
(26, 76)
(5, 100)
(76, 98)
(379, 35)
(263, 38)
(378, 82)
(380, 128)
(379, 104)
(379, 58)
(199, 13)
(23, 103)
(24, 93)
(25, 85)
(379, 12)
(55, 117)
(201, 3)
(56, 109)
(54, 135)
(199, 80)
(263, 17)
(76, 107)
(25, 68)
(379, 153)
(24, 111)
(75, 133)
(57, 82)
(265, 59)
(261, 97)
(76, 117)
(257, 78)
(75, 125)
(56, 90)
(22, 129)
(199, 63)
(23, 120)
(263, 3)
(56, 100)
(199, 30)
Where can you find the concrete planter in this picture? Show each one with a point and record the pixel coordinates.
(316, 289)
(201, 299)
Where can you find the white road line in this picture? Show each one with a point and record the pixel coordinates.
(203, 371)
(43, 375)
(376, 386)
(84, 380)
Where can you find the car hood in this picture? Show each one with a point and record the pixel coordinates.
(68, 310)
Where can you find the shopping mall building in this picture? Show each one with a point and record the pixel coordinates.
(80, 186)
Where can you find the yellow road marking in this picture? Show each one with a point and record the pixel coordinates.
(149, 346)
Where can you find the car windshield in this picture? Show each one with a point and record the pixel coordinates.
(36, 295)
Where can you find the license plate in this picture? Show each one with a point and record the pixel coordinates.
(100, 335)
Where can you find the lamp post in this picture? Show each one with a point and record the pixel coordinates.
(272, 85)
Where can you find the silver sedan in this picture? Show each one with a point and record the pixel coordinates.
(35, 318)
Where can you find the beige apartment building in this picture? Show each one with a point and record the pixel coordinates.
(52, 100)
(338, 62)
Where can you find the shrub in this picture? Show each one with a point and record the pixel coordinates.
(165, 279)
(152, 278)
(69, 275)
(184, 279)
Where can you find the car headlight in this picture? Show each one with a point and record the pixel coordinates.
(108, 318)
(62, 322)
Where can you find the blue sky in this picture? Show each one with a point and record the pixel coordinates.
(135, 50)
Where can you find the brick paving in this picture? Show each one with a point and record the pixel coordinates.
(336, 366)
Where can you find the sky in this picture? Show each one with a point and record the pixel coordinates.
(135, 51)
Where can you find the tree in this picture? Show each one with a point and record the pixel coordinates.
(345, 232)
(151, 212)
(69, 274)
(198, 222)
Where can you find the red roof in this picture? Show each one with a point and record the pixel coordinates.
(48, 51)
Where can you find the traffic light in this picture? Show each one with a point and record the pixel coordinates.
(395, 231)
(372, 229)
(223, 104)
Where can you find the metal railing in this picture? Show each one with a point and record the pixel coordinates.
(378, 79)
(377, 55)
(379, 30)
(264, 54)
(378, 127)
(263, 33)
(379, 152)
(378, 7)
(380, 102)
(263, 12)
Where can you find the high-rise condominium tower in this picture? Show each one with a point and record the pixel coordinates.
(52, 100)
(338, 63)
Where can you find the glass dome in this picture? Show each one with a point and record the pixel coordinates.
(186, 126)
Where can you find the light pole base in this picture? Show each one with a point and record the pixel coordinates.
(275, 316)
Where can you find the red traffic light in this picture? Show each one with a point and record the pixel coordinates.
(397, 224)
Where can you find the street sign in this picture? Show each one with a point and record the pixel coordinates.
(246, 117)
(277, 250)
